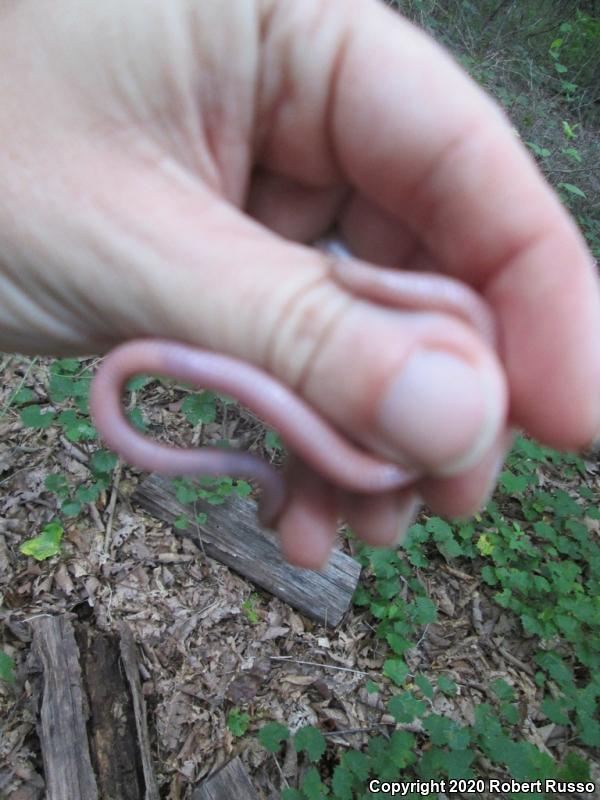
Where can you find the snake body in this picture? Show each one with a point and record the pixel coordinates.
(305, 432)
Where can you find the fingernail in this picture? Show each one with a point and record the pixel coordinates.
(441, 412)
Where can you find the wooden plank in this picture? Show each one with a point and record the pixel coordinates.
(230, 783)
(92, 729)
(62, 723)
(233, 536)
(132, 674)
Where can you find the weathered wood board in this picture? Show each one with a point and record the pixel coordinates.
(230, 783)
(233, 536)
(62, 721)
(92, 725)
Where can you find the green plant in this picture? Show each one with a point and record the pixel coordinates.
(238, 722)
(533, 550)
(7, 668)
(249, 608)
(46, 545)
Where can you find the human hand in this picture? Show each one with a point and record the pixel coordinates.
(163, 164)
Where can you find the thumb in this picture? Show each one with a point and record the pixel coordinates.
(420, 388)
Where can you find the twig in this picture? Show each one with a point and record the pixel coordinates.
(283, 778)
(111, 505)
(7, 405)
(96, 517)
(514, 660)
(317, 664)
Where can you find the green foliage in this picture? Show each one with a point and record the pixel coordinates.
(311, 741)
(272, 735)
(68, 390)
(46, 545)
(200, 407)
(34, 417)
(7, 668)
(272, 441)
(546, 570)
(249, 608)
(237, 722)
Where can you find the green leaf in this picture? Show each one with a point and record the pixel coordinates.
(71, 508)
(531, 625)
(201, 518)
(311, 740)
(510, 713)
(292, 794)
(401, 745)
(502, 690)
(489, 576)
(61, 388)
(103, 461)
(383, 564)
(272, 441)
(185, 491)
(405, 707)
(243, 488)
(447, 686)
(526, 762)
(272, 735)
(181, 523)
(32, 417)
(540, 152)
(574, 768)
(68, 365)
(76, 428)
(456, 763)
(136, 418)
(357, 763)
(87, 494)
(572, 189)
(484, 545)
(56, 483)
(312, 786)
(388, 588)
(513, 484)
(439, 528)
(423, 611)
(200, 407)
(589, 730)
(425, 686)
(555, 710)
(439, 728)
(22, 396)
(398, 643)
(342, 783)
(395, 669)
(573, 153)
(237, 722)
(46, 545)
(7, 667)
(557, 670)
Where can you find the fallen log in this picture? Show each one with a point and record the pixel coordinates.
(231, 782)
(232, 535)
(92, 722)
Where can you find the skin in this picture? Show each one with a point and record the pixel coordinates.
(312, 439)
(165, 166)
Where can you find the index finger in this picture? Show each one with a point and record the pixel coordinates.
(418, 138)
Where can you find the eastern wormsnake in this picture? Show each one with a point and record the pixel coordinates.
(308, 435)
